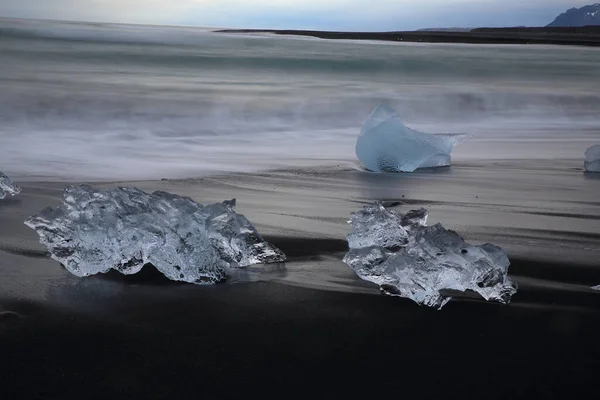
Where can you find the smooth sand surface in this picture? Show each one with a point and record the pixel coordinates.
(310, 326)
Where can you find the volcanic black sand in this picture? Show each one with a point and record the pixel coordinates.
(578, 36)
(310, 327)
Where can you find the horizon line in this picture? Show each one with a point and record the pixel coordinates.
(90, 22)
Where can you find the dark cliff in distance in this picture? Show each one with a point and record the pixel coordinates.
(577, 26)
(587, 15)
(579, 36)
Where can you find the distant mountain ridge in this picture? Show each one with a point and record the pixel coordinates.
(586, 15)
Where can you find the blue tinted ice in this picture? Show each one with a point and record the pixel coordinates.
(95, 231)
(592, 159)
(385, 144)
(7, 187)
(423, 262)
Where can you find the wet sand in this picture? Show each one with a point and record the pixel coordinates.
(310, 326)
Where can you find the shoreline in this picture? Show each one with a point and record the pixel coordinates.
(548, 234)
(312, 323)
(583, 36)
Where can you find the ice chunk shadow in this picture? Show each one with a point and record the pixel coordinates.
(588, 175)
(305, 248)
(30, 253)
(423, 170)
(148, 276)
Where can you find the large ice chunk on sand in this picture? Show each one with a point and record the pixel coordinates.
(7, 187)
(95, 231)
(385, 144)
(592, 159)
(425, 262)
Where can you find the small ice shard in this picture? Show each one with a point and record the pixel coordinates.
(236, 239)
(124, 229)
(426, 260)
(596, 287)
(385, 144)
(592, 159)
(374, 225)
(7, 187)
(415, 219)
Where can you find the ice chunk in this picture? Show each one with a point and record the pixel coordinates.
(385, 144)
(592, 159)
(433, 258)
(95, 231)
(7, 187)
(596, 287)
(415, 219)
(236, 239)
(374, 225)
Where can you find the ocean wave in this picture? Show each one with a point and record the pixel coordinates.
(286, 107)
(96, 100)
(200, 49)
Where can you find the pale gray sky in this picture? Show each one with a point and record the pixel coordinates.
(298, 14)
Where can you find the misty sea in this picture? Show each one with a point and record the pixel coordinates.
(106, 102)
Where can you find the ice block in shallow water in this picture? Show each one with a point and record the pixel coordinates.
(385, 144)
(7, 187)
(592, 159)
(95, 231)
(430, 260)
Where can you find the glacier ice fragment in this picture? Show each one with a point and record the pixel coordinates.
(425, 260)
(592, 159)
(124, 229)
(374, 225)
(7, 187)
(236, 239)
(385, 144)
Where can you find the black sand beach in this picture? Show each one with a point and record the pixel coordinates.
(311, 327)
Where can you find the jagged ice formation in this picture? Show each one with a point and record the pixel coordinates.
(124, 229)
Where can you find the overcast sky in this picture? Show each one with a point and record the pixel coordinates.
(298, 14)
